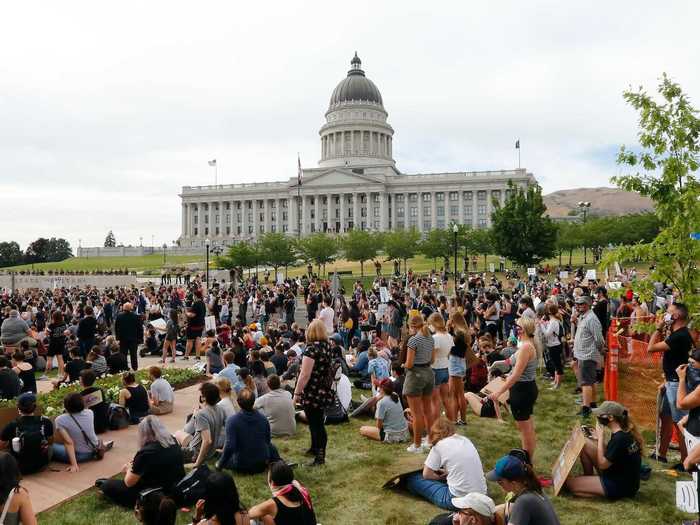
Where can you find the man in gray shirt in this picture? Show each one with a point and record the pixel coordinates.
(278, 407)
(13, 329)
(588, 345)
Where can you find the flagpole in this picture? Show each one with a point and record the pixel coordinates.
(298, 199)
(216, 173)
(518, 157)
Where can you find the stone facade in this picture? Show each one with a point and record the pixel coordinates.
(356, 185)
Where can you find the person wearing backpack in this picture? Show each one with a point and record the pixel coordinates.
(28, 437)
(553, 331)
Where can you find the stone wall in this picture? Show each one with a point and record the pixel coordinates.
(20, 282)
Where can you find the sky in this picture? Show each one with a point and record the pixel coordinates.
(108, 108)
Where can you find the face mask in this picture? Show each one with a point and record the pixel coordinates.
(603, 421)
(668, 318)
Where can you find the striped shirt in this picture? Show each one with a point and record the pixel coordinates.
(589, 339)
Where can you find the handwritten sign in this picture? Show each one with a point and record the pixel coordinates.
(563, 274)
(590, 275)
(567, 458)
(532, 271)
(209, 323)
(492, 267)
(384, 294)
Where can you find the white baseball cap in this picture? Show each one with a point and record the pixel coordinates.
(479, 503)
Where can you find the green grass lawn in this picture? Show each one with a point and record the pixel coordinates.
(348, 490)
(138, 264)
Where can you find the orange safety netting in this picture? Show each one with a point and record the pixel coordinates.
(633, 374)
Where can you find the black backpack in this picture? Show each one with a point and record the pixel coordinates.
(117, 416)
(33, 452)
(192, 487)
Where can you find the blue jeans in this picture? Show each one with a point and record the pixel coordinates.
(60, 454)
(436, 492)
(671, 396)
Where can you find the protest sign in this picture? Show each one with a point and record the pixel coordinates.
(590, 275)
(563, 274)
(209, 323)
(567, 458)
(384, 294)
(532, 271)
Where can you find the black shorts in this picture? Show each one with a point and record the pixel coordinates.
(587, 371)
(53, 351)
(193, 332)
(488, 409)
(523, 395)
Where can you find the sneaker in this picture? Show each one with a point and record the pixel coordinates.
(554, 387)
(413, 449)
(43, 378)
(461, 423)
(425, 447)
(110, 444)
(660, 459)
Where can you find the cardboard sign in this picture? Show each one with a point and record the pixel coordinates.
(494, 385)
(383, 294)
(686, 497)
(93, 399)
(563, 274)
(492, 268)
(159, 324)
(590, 275)
(567, 458)
(660, 301)
(532, 271)
(615, 285)
(209, 323)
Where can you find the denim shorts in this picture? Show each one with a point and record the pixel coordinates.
(671, 395)
(458, 366)
(441, 376)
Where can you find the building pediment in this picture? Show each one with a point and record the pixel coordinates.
(339, 177)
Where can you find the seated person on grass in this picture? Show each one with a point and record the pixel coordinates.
(528, 505)
(221, 504)
(452, 468)
(617, 463)
(158, 463)
(75, 438)
(95, 400)
(134, 398)
(97, 361)
(278, 407)
(482, 406)
(290, 502)
(35, 434)
(378, 369)
(392, 426)
(24, 371)
(472, 509)
(153, 507)
(10, 385)
(161, 395)
(116, 362)
(202, 434)
(72, 368)
(248, 447)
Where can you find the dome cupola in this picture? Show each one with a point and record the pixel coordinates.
(356, 87)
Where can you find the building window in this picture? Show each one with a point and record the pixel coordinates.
(496, 194)
(250, 219)
(400, 225)
(468, 195)
(284, 215)
(261, 228)
(311, 201)
(376, 225)
(273, 216)
(260, 205)
(441, 211)
(324, 214)
(426, 197)
(206, 219)
(399, 211)
(375, 197)
(194, 220)
(426, 225)
(376, 212)
(454, 211)
(440, 196)
(284, 228)
(250, 228)
(249, 205)
(481, 195)
(454, 196)
(216, 219)
(441, 224)
(216, 230)
(482, 223)
(313, 213)
(412, 224)
(414, 211)
(313, 228)
(481, 209)
(228, 230)
(238, 230)
(262, 217)
(238, 205)
(413, 197)
(285, 203)
(363, 212)
(273, 204)
(337, 213)
(206, 231)
(426, 212)
(195, 231)
(273, 228)
(363, 198)
(400, 197)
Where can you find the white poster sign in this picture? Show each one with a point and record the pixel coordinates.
(280, 278)
(384, 294)
(590, 275)
(492, 268)
(532, 271)
(660, 301)
(563, 274)
(615, 285)
(209, 323)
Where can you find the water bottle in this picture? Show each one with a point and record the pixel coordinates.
(15, 445)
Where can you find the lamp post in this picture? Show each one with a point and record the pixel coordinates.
(455, 231)
(165, 247)
(206, 279)
(584, 206)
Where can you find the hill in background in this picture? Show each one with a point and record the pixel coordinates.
(604, 202)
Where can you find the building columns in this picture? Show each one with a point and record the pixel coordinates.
(420, 211)
(383, 212)
(343, 213)
(433, 210)
(304, 215)
(356, 219)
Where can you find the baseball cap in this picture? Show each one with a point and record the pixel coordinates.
(479, 503)
(508, 468)
(26, 401)
(610, 408)
(583, 299)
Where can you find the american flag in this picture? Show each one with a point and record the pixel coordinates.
(299, 175)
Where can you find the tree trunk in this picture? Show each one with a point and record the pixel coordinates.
(560, 258)
(362, 269)
(571, 254)
(485, 268)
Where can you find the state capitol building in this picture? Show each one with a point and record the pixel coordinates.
(356, 184)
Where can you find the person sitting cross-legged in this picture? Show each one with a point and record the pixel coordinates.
(278, 407)
(248, 447)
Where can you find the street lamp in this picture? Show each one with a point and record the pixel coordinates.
(165, 247)
(584, 206)
(206, 280)
(455, 231)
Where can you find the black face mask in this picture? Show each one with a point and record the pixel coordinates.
(603, 420)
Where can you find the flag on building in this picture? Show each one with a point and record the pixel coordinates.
(517, 144)
(212, 162)
(299, 174)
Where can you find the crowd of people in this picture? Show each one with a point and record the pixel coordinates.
(424, 356)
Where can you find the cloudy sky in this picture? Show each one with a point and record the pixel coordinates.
(108, 108)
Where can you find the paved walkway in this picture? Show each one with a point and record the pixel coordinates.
(49, 488)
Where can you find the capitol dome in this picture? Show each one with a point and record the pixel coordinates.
(355, 87)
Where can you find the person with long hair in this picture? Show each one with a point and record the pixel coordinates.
(15, 503)
(290, 503)
(392, 426)
(452, 469)
(460, 358)
(57, 342)
(443, 345)
(222, 505)
(314, 387)
(172, 330)
(553, 330)
(618, 463)
(420, 380)
(153, 507)
(521, 384)
(528, 505)
(158, 463)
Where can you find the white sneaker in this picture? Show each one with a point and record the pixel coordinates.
(425, 447)
(413, 449)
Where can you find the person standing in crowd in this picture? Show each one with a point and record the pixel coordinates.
(521, 385)
(86, 331)
(157, 464)
(618, 463)
(57, 342)
(314, 387)
(461, 356)
(172, 330)
(195, 324)
(420, 380)
(443, 345)
(588, 345)
(553, 331)
(128, 330)
(676, 347)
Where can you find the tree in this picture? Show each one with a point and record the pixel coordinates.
(10, 254)
(319, 248)
(438, 244)
(241, 256)
(482, 243)
(110, 241)
(568, 239)
(401, 245)
(276, 249)
(521, 229)
(360, 246)
(665, 170)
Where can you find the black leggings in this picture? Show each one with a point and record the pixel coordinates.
(556, 355)
(117, 491)
(319, 437)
